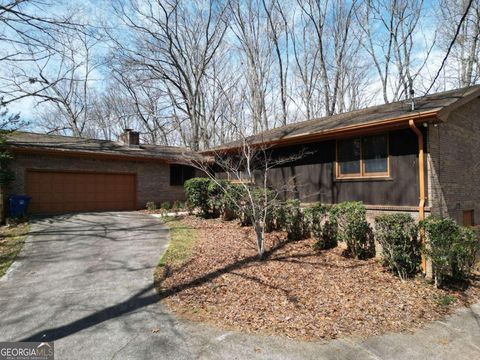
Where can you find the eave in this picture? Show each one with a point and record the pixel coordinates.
(347, 131)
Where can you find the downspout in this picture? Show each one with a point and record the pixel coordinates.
(421, 180)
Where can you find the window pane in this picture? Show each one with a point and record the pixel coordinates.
(180, 173)
(188, 173)
(176, 175)
(375, 154)
(349, 156)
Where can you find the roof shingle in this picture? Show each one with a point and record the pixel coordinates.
(68, 144)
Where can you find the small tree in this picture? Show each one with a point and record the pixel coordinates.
(249, 169)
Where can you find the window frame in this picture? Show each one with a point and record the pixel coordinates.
(362, 174)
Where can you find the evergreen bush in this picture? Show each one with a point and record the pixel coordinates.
(196, 192)
(349, 224)
(320, 227)
(451, 247)
(295, 223)
(398, 236)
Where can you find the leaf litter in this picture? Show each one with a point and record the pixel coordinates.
(296, 291)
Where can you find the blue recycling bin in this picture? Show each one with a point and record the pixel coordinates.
(18, 205)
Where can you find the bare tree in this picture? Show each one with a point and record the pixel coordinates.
(249, 167)
(173, 44)
(390, 27)
(326, 47)
(28, 34)
(197, 73)
(280, 36)
(459, 32)
(63, 84)
(254, 46)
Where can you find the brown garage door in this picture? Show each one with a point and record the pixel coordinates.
(62, 192)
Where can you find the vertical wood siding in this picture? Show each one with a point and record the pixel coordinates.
(312, 178)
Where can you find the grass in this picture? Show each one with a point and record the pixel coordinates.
(446, 300)
(11, 242)
(182, 239)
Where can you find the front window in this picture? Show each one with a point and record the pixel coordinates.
(363, 157)
(180, 173)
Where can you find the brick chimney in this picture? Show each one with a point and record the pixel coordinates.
(130, 137)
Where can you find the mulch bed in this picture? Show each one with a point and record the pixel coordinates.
(296, 291)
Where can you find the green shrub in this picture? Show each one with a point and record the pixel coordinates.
(206, 194)
(165, 205)
(234, 204)
(270, 224)
(398, 236)
(295, 223)
(260, 199)
(280, 216)
(446, 300)
(451, 247)
(181, 205)
(151, 206)
(349, 224)
(320, 227)
(196, 192)
(216, 196)
(231, 197)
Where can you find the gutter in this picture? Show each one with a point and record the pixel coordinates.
(421, 180)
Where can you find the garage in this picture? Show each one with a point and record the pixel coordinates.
(65, 174)
(68, 191)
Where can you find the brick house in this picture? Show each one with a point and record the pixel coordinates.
(420, 156)
(67, 174)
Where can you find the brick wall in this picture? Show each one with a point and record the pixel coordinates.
(153, 179)
(454, 163)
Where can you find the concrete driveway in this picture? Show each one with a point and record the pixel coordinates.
(85, 282)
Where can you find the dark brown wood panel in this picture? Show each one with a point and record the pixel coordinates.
(468, 218)
(55, 192)
(312, 178)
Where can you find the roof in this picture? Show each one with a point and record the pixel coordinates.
(32, 142)
(431, 105)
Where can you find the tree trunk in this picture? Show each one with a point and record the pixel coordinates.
(260, 231)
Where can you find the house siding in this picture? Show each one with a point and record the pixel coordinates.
(313, 178)
(153, 179)
(454, 163)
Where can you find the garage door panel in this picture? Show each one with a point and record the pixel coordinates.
(59, 192)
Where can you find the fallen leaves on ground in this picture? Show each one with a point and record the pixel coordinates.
(295, 291)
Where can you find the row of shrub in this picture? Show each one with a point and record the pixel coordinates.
(166, 205)
(451, 248)
(329, 225)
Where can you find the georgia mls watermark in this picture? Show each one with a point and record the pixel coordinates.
(26, 351)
